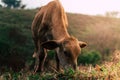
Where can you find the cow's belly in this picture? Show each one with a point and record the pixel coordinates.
(46, 37)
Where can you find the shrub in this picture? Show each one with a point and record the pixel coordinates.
(15, 35)
(89, 57)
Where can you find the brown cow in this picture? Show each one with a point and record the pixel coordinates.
(49, 30)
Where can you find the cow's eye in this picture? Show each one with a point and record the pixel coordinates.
(67, 54)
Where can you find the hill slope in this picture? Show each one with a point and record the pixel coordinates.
(101, 33)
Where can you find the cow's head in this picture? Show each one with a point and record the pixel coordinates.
(68, 50)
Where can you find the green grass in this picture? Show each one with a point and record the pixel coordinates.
(105, 71)
(109, 72)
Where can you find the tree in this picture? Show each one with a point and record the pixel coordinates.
(12, 3)
(113, 14)
(0, 5)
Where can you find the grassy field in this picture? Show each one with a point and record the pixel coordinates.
(102, 35)
(106, 71)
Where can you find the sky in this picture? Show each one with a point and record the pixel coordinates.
(91, 7)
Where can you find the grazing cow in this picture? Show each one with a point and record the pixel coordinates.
(49, 31)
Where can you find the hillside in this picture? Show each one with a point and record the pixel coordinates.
(101, 34)
(15, 30)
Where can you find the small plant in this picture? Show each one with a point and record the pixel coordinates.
(69, 72)
(34, 77)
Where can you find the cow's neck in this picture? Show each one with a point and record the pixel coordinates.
(60, 33)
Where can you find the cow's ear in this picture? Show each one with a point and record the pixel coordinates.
(50, 44)
(82, 44)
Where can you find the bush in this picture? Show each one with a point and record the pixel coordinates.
(15, 36)
(15, 33)
(89, 57)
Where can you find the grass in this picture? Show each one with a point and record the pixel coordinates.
(106, 71)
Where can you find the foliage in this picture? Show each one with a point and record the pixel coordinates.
(0, 6)
(108, 71)
(15, 36)
(89, 57)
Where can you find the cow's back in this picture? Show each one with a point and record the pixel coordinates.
(50, 22)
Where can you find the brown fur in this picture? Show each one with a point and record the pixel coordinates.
(49, 30)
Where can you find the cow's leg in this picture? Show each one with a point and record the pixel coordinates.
(42, 58)
(57, 62)
(35, 39)
(36, 54)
